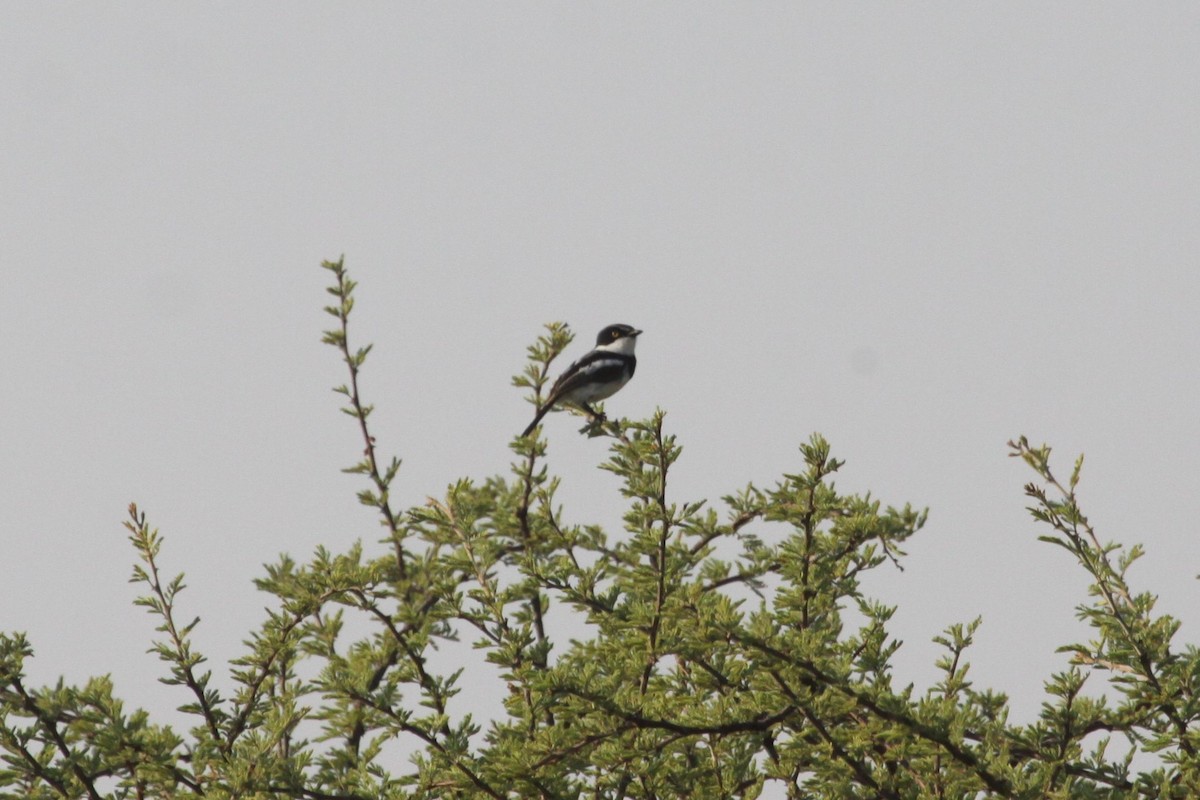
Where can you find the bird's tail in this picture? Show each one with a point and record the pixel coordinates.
(536, 419)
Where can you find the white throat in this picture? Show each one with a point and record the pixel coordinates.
(624, 346)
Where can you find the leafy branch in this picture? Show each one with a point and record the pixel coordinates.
(339, 337)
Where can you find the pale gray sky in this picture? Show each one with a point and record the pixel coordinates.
(919, 229)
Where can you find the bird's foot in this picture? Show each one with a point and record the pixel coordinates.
(597, 421)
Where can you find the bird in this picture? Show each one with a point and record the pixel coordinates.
(598, 375)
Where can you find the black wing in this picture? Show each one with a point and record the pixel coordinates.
(598, 366)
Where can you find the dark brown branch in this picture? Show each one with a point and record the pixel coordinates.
(51, 727)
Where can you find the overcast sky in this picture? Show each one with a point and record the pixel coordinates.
(919, 229)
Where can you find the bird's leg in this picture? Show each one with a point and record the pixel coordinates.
(596, 416)
(596, 420)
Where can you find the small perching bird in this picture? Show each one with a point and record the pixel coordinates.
(599, 374)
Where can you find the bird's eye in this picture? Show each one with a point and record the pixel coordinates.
(616, 334)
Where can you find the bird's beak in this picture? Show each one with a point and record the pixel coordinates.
(636, 333)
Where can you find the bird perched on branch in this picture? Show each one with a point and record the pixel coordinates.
(599, 374)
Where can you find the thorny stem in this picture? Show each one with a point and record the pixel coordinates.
(344, 292)
(1109, 581)
(535, 600)
(137, 526)
(51, 727)
(495, 605)
(661, 559)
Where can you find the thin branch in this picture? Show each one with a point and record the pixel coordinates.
(49, 724)
(344, 291)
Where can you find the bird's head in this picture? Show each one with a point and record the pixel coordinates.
(618, 337)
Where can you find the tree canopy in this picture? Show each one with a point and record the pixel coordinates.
(700, 652)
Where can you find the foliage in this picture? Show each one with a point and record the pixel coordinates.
(703, 654)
